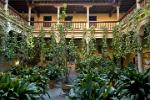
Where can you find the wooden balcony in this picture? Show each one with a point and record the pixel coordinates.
(76, 26)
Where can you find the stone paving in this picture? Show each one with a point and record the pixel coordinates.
(55, 94)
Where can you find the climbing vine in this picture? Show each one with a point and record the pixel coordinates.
(126, 35)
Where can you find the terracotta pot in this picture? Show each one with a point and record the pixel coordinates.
(52, 84)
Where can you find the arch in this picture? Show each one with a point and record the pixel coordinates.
(141, 33)
(141, 26)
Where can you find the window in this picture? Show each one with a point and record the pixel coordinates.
(32, 21)
(47, 20)
(92, 20)
(68, 19)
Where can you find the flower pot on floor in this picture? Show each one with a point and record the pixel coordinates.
(52, 84)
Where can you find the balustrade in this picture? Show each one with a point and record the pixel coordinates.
(48, 25)
(12, 12)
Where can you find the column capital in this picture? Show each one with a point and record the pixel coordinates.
(6, 1)
(58, 6)
(117, 6)
(30, 5)
(87, 6)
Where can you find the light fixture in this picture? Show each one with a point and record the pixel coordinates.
(17, 63)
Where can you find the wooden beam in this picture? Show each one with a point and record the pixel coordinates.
(75, 4)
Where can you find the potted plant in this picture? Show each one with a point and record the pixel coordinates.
(54, 74)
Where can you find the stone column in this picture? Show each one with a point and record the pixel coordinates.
(140, 57)
(138, 4)
(118, 12)
(29, 15)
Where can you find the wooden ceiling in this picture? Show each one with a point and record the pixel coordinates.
(102, 6)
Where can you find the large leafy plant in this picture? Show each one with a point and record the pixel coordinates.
(15, 88)
(34, 75)
(134, 85)
(92, 86)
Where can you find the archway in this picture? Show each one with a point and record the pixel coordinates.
(142, 33)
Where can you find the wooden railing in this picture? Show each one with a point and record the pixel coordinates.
(15, 14)
(75, 25)
(128, 12)
(48, 25)
(100, 25)
(131, 10)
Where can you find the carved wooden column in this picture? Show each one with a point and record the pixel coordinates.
(138, 4)
(58, 14)
(6, 5)
(87, 15)
(118, 12)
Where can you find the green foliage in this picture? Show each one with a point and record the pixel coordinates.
(72, 54)
(35, 75)
(55, 72)
(134, 85)
(92, 47)
(112, 84)
(104, 42)
(12, 88)
(93, 62)
(124, 43)
(93, 86)
(125, 35)
(14, 46)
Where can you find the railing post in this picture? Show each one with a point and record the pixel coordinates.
(29, 14)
